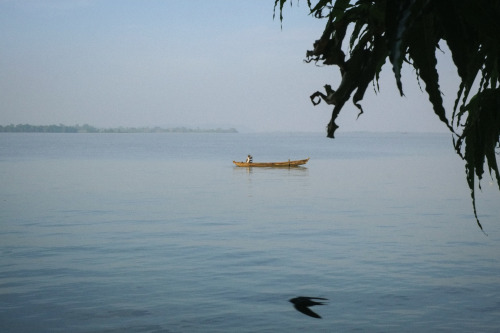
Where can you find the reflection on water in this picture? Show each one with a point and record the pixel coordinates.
(298, 170)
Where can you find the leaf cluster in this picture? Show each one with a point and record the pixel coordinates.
(410, 31)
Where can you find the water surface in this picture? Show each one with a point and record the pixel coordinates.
(161, 233)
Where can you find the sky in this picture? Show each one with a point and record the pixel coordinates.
(198, 63)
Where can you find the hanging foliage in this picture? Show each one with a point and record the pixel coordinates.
(409, 31)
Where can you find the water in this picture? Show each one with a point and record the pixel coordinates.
(161, 233)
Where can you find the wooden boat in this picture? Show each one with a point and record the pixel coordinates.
(286, 164)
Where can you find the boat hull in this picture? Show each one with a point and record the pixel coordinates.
(287, 164)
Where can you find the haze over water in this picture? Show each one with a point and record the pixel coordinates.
(161, 233)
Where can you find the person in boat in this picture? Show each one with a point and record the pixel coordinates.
(249, 159)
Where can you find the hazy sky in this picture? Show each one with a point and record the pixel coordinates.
(197, 63)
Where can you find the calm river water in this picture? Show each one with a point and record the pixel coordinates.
(161, 233)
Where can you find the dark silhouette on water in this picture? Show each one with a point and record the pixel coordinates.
(302, 304)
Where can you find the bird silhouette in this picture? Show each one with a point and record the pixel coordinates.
(302, 304)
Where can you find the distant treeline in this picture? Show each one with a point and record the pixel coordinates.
(25, 128)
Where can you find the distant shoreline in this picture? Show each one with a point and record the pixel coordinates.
(26, 128)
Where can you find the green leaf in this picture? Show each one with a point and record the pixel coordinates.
(424, 59)
(481, 135)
